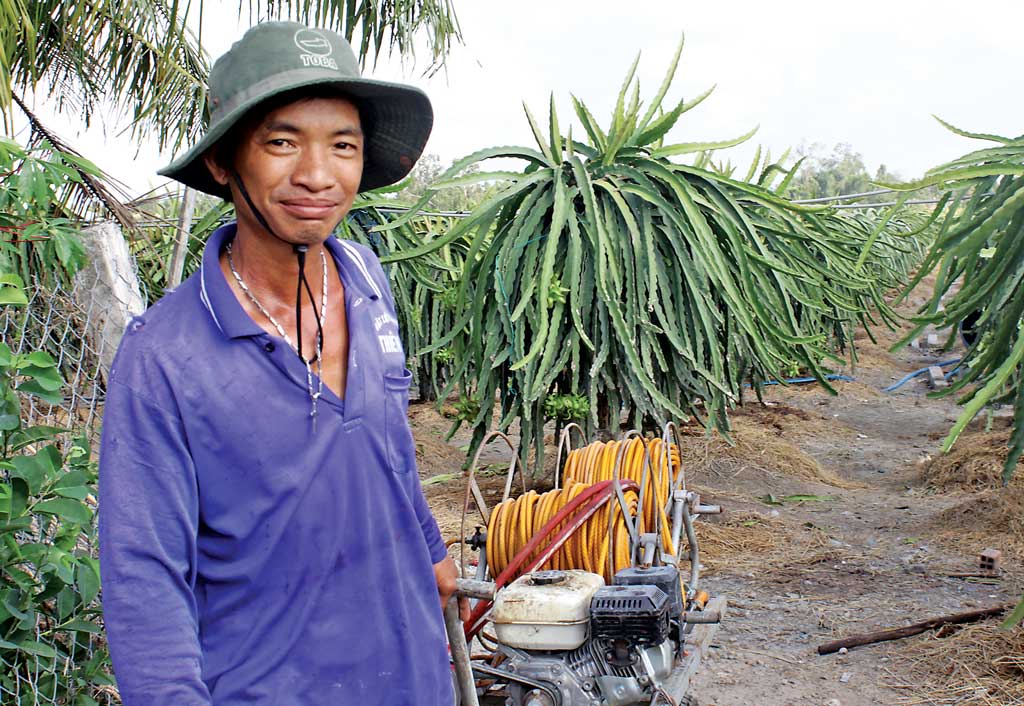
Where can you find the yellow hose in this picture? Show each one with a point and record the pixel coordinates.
(596, 462)
(514, 522)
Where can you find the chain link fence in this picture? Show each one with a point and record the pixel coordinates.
(57, 320)
(79, 323)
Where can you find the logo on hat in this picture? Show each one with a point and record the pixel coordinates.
(316, 49)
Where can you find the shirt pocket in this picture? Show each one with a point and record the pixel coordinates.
(401, 449)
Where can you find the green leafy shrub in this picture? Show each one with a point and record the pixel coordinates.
(49, 580)
(566, 408)
(38, 236)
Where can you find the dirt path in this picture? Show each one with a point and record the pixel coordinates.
(883, 565)
(802, 572)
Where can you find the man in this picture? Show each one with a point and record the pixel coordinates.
(264, 537)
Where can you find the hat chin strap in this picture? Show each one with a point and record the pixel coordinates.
(300, 254)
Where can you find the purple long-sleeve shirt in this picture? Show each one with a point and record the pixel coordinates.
(246, 558)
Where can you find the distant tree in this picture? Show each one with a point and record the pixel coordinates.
(883, 175)
(841, 171)
(427, 172)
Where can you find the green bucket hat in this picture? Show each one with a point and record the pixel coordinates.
(277, 57)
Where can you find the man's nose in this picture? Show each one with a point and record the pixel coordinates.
(313, 170)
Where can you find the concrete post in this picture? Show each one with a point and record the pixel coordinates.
(107, 289)
(177, 263)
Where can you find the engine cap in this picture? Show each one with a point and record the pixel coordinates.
(546, 578)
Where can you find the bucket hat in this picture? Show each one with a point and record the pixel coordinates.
(273, 58)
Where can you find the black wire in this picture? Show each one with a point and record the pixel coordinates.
(300, 254)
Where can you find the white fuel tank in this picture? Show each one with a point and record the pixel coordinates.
(546, 610)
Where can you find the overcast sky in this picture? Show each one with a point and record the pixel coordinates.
(867, 73)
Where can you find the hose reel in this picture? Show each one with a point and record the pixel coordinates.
(616, 504)
(583, 580)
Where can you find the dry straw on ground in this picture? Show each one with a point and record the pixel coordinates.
(994, 518)
(993, 515)
(978, 665)
(749, 540)
(859, 390)
(760, 443)
(974, 463)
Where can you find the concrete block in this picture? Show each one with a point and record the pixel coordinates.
(936, 378)
(988, 561)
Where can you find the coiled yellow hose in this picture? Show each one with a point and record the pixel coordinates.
(596, 462)
(514, 521)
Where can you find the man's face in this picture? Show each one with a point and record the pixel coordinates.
(301, 164)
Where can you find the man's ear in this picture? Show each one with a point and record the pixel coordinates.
(218, 172)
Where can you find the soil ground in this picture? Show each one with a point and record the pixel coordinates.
(869, 546)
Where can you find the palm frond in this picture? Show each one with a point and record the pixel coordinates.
(375, 25)
(92, 186)
(138, 55)
(141, 57)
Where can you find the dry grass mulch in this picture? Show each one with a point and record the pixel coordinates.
(760, 441)
(974, 463)
(750, 540)
(993, 514)
(977, 665)
(994, 518)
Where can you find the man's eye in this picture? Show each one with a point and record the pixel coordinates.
(280, 142)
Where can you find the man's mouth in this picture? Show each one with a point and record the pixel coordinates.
(309, 208)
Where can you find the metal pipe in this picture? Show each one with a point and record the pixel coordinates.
(435, 214)
(677, 521)
(634, 535)
(915, 202)
(471, 588)
(691, 538)
(846, 197)
(702, 617)
(554, 694)
(460, 654)
(565, 442)
(473, 490)
(885, 204)
(680, 481)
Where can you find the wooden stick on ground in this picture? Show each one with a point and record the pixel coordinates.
(915, 629)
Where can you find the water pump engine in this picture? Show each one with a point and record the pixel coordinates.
(572, 641)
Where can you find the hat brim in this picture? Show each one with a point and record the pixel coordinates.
(399, 118)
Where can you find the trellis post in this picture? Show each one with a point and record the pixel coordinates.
(108, 289)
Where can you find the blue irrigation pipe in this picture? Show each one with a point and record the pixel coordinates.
(895, 386)
(798, 381)
(910, 376)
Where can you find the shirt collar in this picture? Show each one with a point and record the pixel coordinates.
(219, 299)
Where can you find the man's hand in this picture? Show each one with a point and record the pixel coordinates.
(445, 573)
